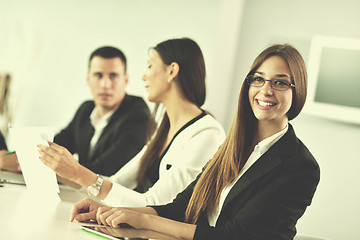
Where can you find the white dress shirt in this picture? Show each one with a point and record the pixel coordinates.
(259, 150)
(99, 123)
(190, 150)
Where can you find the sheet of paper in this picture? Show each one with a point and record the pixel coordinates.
(38, 177)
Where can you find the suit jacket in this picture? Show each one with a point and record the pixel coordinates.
(120, 141)
(187, 154)
(266, 201)
(2, 142)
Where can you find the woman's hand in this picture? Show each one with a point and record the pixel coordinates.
(144, 219)
(86, 210)
(120, 217)
(9, 162)
(60, 160)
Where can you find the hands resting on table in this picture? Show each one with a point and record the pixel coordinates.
(145, 218)
(89, 209)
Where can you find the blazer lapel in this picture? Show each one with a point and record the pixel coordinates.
(85, 141)
(113, 119)
(262, 166)
(266, 163)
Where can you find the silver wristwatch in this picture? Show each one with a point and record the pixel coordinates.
(94, 189)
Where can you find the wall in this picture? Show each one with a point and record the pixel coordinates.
(335, 208)
(46, 45)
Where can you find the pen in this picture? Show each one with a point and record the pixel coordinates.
(8, 153)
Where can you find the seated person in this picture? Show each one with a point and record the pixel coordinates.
(260, 181)
(7, 161)
(110, 130)
(183, 143)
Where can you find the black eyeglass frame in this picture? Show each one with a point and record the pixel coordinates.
(249, 78)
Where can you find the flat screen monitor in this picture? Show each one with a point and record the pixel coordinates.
(334, 79)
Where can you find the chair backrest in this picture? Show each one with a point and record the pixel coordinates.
(308, 237)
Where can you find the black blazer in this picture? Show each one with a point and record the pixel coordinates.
(2, 142)
(266, 201)
(120, 141)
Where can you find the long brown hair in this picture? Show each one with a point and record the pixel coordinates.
(226, 164)
(191, 79)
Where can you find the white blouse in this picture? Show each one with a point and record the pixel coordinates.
(190, 150)
(259, 150)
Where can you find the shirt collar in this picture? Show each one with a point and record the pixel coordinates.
(265, 144)
(96, 119)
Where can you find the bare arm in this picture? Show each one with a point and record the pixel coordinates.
(67, 182)
(170, 227)
(87, 209)
(68, 169)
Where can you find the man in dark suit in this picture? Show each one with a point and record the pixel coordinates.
(107, 132)
(110, 130)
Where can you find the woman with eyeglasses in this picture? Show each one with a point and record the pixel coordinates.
(261, 179)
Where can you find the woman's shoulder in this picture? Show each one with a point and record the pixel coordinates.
(291, 149)
(208, 122)
(206, 125)
(295, 153)
(306, 156)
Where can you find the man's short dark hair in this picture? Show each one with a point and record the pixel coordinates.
(108, 52)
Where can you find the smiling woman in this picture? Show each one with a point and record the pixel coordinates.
(267, 102)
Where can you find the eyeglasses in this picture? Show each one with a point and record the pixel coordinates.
(276, 84)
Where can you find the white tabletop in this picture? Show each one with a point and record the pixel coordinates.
(24, 216)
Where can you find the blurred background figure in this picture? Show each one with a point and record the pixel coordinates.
(7, 161)
(5, 111)
(107, 131)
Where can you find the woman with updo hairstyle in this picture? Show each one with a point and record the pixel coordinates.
(185, 139)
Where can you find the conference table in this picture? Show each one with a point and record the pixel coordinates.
(26, 215)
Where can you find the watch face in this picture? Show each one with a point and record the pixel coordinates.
(93, 191)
